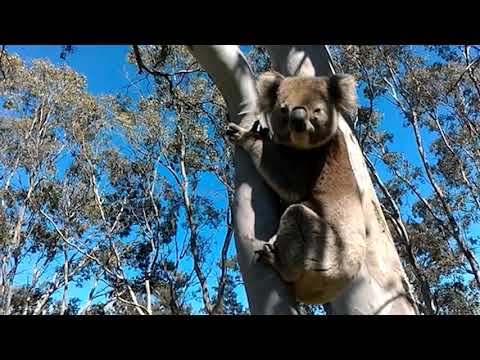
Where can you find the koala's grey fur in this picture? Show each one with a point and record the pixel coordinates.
(320, 243)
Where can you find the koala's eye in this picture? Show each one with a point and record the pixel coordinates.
(284, 109)
(318, 111)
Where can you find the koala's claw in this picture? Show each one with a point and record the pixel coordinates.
(266, 255)
(235, 132)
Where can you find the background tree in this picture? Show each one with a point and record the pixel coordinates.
(110, 196)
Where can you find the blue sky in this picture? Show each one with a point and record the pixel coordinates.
(103, 65)
(107, 71)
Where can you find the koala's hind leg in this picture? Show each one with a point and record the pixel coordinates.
(302, 243)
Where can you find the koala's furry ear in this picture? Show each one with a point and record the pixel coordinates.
(342, 89)
(268, 84)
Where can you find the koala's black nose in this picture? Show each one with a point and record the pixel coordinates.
(298, 118)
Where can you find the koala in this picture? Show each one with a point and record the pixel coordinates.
(320, 244)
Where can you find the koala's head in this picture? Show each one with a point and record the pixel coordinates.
(304, 110)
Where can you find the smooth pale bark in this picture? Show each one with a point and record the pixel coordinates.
(381, 283)
(255, 210)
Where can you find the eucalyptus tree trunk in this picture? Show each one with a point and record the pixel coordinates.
(255, 209)
(381, 286)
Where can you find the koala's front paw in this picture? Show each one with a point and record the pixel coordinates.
(266, 254)
(236, 133)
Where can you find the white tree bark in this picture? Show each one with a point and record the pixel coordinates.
(255, 210)
(381, 287)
